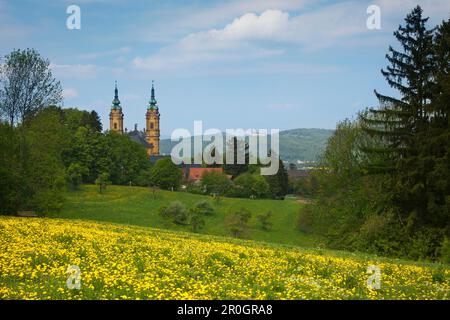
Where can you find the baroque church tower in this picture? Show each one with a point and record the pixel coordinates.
(152, 134)
(116, 115)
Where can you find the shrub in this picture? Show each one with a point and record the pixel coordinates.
(425, 244)
(264, 219)
(215, 182)
(102, 181)
(45, 201)
(75, 174)
(445, 251)
(238, 223)
(143, 178)
(177, 212)
(203, 208)
(195, 188)
(197, 223)
(250, 185)
(162, 211)
(166, 175)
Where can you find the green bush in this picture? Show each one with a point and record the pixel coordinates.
(102, 181)
(46, 201)
(166, 175)
(177, 212)
(425, 244)
(445, 251)
(264, 219)
(197, 223)
(238, 223)
(75, 174)
(215, 182)
(250, 185)
(204, 208)
(143, 179)
(195, 188)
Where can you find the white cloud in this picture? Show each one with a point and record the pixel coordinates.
(180, 20)
(270, 25)
(244, 37)
(69, 93)
(274, 32)
(226, 11)
(75, 71)
(234, 42)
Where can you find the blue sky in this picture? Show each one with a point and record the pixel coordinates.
(233, 64)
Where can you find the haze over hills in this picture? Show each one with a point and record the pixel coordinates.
(296, 145)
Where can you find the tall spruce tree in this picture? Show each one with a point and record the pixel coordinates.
(399, 123)
(441, 101)
(435, 149)
(410, 73)
(413, 129)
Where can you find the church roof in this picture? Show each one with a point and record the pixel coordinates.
(139, 137)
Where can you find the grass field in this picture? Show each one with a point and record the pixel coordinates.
(138, 206)
(125, 262)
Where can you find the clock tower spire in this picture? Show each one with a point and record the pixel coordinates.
(116, 115)
(152, 125)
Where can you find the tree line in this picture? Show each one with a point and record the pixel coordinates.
(46, 149)
(241, 180)
(384, 185)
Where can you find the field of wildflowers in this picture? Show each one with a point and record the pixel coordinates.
(121, 262)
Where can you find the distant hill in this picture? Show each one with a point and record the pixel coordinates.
(303, 144)
(295, 145)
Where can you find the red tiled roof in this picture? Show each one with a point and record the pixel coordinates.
(298, 173)
(197, 173)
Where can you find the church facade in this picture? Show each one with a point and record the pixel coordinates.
(151, 137)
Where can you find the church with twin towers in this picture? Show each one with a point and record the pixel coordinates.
(150, 138)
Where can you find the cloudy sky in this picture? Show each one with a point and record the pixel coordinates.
(231, 63)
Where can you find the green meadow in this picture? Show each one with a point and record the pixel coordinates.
(140, 206)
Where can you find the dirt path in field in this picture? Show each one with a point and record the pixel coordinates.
(305, 201)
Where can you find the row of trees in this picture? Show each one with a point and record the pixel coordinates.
(31, 168)
(246, 180)
(249, 184)
(45, 148)
(56, 148)
(385, 182)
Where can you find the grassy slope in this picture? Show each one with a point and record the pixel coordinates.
(137, 206)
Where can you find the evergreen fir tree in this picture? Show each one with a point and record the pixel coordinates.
(413, 129)
(410, 73)
(435, 146)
